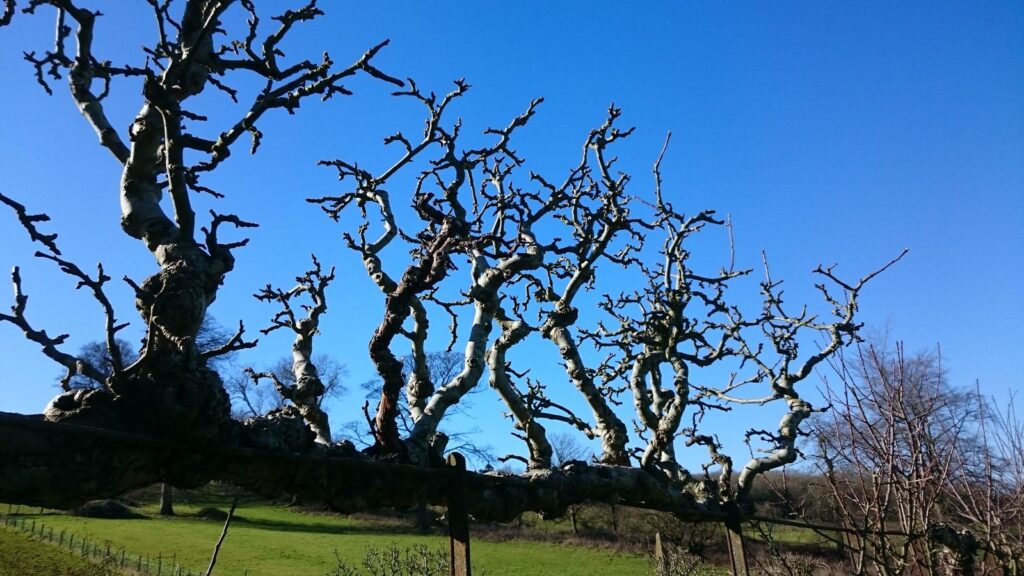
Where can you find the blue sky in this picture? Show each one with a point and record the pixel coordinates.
(829, 132)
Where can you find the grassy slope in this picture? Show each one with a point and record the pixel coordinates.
(20, 555)
(272, 540)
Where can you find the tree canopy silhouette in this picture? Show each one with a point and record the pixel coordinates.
(523, 256)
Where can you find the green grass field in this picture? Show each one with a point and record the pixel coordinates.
(272, 540)
(21, 556)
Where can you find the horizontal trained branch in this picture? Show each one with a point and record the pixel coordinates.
(79, 463)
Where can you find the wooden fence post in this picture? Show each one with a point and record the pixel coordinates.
(458, 517)
(737, 553)
(659, 555)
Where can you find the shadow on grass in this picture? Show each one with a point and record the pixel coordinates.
(211, 513)
(324, 527)
(119, 515)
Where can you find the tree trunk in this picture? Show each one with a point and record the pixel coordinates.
(166, 500)
(424, 518)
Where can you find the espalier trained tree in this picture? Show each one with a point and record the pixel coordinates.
(517, 250)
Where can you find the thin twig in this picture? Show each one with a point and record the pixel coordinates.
(223, 534)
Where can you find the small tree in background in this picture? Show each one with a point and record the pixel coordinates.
(926, 476)
(435, 366)
(211, 336)
(250, 399)
(566, 448)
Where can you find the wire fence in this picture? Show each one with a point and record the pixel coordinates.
(99, 552)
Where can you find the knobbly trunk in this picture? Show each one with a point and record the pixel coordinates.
(308, 389)
(610, 428)
(431, 269)
(514, 332)
(169, 390)
(486, 284)
(784, 453)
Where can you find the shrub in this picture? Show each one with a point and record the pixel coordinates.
(211, 513)
(110, 509)
(678, 562)
(417, 560)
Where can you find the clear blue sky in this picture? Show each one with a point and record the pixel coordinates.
(829, 131)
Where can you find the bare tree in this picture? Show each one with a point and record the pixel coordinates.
(96, 354)
(250, 400)
(910, 464)
(875, 452)
(306, 390)
(566, 448)
(183, 61)
(986, 496)
(436, 366)
(513, 249)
